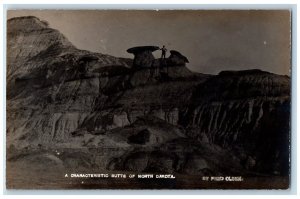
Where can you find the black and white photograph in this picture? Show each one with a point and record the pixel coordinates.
(148, 99)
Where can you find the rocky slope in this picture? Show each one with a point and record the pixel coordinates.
(76, 109)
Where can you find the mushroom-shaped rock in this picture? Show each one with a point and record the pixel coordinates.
(143, 56)
(85, 61)
(176, 58)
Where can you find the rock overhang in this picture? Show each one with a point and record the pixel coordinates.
(140, 49)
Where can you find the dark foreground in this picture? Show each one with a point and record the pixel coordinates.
(20, 177)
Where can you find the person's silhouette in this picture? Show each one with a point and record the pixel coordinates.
(163, 52)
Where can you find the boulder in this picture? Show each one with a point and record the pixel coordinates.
(143, 56)
(176, 58)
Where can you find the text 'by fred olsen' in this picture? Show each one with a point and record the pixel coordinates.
(223, 178)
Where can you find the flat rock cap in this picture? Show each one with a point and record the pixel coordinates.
(88, 58)
(139, 49)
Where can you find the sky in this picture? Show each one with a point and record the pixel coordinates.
(212, 40)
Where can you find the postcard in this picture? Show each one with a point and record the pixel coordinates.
(148, 99)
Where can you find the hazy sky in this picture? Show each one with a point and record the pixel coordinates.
(212, 40)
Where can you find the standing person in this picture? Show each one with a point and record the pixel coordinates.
(163, 52)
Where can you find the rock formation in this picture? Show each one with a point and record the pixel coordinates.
(143, 56)
(177, 59)
(87, 60)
